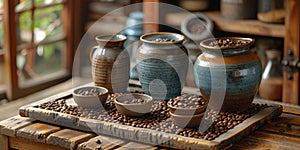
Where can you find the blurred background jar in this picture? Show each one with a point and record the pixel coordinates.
(194, 5)
(271, 83)
(271, 11)
(239, 9)
(133, 31)
(196, 27)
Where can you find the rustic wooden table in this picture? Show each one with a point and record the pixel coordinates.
(17, 132)
(282, 132)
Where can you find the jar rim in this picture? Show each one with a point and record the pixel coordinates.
(205, 43)
(179, 38)
(110, 38)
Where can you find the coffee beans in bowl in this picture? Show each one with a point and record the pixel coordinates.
(135, 101)
(164, 40)
(133, 104)
(90, 96)
(187, 104)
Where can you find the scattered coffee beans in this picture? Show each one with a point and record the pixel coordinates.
(91, 92)
(164, 40)
(187, 101)
(60, 106)
(135, 101)
(159, 119)
(223, 43)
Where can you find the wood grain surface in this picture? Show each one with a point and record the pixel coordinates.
(281, 132)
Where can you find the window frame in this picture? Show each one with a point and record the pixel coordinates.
(73, 27)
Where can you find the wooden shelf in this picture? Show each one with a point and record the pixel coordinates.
(253, 27)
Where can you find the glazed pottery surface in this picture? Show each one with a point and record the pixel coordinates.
(187, 120)
(110, 63)
(134, 110)
(232, 72)
(90, 101)
(162, 66)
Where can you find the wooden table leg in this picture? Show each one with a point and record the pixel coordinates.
(4, 142)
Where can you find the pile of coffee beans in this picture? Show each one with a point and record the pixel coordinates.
(91, 92)
(222, 122)
(187, 101)
(223, 43)
(163, 40)
(60, 106)
(135, 101)
(159, 119)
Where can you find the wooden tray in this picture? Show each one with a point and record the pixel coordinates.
(147, 135)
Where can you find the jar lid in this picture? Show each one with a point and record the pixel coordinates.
(197, 26)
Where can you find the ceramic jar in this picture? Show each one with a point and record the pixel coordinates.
(134, 24)
(194, 5)
(272, 82)
(133, 31)
(271, 11)
(110, 63)
(230, 72)
(162, 64)
(239, 9)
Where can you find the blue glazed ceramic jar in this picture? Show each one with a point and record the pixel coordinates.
(227, 73)
(162, 64)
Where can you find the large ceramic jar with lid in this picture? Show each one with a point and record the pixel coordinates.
(162, 64)
(227, 73)
(110, 63)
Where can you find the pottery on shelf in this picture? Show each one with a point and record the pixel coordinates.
(197, 27)
(162, 64)
(110, 63)
(231, 73)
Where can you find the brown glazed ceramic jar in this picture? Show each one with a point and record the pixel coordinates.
(227, 73)
(110, 63)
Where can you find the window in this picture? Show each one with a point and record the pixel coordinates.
(2, 76)
(39, 44)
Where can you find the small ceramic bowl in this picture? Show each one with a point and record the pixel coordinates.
(186, 110)
(133, 109)
(187, 120)
(90, 96)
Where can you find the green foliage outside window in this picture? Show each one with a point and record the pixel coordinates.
(46, 20)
